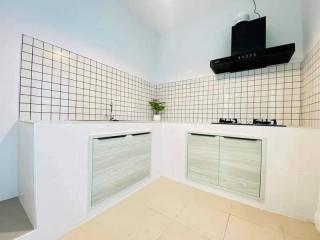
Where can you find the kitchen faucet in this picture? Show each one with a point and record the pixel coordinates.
(111, 110)
(111, 113)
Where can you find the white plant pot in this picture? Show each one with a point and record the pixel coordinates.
(156, 117)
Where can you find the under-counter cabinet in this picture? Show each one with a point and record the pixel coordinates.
(240, 165)
(203, 158)
(118, 162)
(231, 163)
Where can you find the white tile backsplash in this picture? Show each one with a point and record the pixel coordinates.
(310, 91)
(57, 84)
(269, 93)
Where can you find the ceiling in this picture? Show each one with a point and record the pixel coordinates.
(164, 15)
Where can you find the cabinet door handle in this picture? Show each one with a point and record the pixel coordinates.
(111, 137)
(139, 134)
(203, 135)
(239, 138)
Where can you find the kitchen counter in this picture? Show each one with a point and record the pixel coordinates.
(84, 122)
(55, 156)
(161, 122)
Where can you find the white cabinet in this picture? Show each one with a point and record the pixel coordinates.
(230, 163)
(117, 163)
(240, 165)
(203, 158)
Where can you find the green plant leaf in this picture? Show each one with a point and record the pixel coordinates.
(157, 106)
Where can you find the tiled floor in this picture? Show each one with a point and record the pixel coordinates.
(166, 210)
(13, 220)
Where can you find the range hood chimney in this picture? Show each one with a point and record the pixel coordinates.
(249, 50)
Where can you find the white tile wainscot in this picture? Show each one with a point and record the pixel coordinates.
(60, 163)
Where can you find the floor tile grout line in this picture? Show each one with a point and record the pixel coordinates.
(255, 223)
(190, 198)
(157, 211)
(283, 233)
(164, 230)
(186, 203)
(225, 231)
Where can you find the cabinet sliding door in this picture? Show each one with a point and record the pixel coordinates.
(119, 162)
(240, 165)
(203, 159)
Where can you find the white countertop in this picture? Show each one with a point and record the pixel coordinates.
(57, 122)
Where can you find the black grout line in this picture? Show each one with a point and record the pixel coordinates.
(187, 100)
(69, 75)
(264, 94)
(20, 78)
(51, 78)
(41, 115)
(31, 81)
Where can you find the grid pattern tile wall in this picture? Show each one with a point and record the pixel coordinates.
(57, 84)
(269, 93)
(310, 92)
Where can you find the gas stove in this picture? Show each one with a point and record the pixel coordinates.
(254, 122)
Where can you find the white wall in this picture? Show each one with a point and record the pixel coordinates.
(107, 31)
(102, 30)
(186, 52)
(26, 171)
(317, 215)
(311, 23)
(311, 35)
(9, 80)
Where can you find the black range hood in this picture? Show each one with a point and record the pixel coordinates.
(249, 51)
(254, 60)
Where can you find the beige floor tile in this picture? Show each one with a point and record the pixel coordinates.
(211, 201)
(293, 238)
(204, 218)
(175, 211)
(177, 231)
(152, 226)
(239, 229)
(301, 230)
(134, 222)
(291, 227)
(257, 216)
(94, 229)
(124, 223)
(166, 197)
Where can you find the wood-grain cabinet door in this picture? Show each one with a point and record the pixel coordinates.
(240, 165)
(203, 159)
(117, 163)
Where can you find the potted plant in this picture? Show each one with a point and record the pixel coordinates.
(157, 107)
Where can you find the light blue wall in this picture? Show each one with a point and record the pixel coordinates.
(107, 25)
(102, 30)
(186, 52)
(108, 32)
(311, 23)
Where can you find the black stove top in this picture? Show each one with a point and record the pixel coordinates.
(255, 122)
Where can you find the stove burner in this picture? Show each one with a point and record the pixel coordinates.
(265, 122)
(255, 122)
(228, 121)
